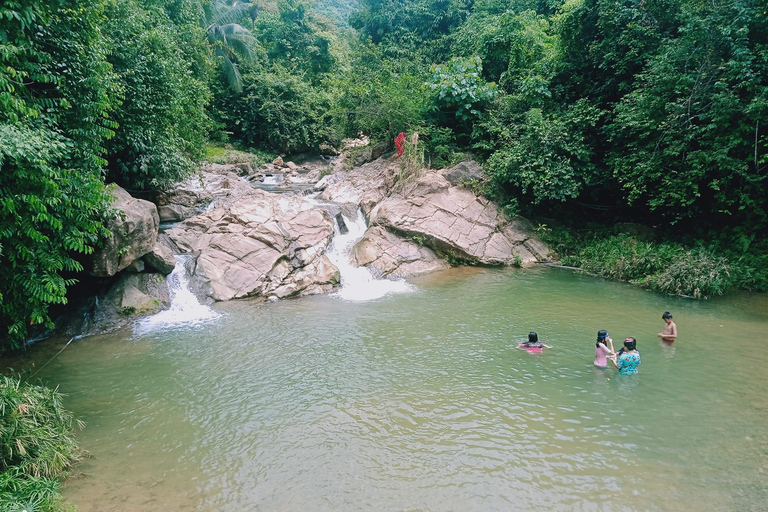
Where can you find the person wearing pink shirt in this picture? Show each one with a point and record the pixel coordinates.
(602, 350)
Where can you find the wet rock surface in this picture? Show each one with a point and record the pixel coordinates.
(257, 243)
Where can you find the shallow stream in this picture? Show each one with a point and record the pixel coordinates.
(420, 401)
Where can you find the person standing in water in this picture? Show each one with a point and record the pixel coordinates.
(669, 334)
(602, 350)
(533, 344)
(628, 359)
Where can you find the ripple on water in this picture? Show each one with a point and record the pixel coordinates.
(420, 401)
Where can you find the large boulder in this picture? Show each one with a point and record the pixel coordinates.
(390, 255)
(365, 186)
(161, 256)
(457, 223)
(130, 296)
(133, 233)
(254, 243)
(465, 172)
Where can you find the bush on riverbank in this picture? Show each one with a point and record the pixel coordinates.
(37, 446)
(669, 267)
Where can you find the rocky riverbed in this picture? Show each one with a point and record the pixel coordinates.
(265, 232)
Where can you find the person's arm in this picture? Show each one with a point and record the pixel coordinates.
(673, 334)
(616, 363)
(545, 345)
(610, 341)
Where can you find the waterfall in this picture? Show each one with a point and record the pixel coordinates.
(185, 309)
(358, 283)
(273, 179)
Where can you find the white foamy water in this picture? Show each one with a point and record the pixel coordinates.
(185, 309)
(358, 283)
(274, 179)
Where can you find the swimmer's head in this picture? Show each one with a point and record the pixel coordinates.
(666, 316)
(601, 335)
(533, 337)
(630, 343)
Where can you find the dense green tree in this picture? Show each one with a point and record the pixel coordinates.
(298, 40)
(55, 90)
(162, 119)
(408, 29)
(280, 110)
(381, 97)
(690, 139)
(230, 40)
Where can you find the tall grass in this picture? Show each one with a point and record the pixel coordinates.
(700, 271)
(37, 446)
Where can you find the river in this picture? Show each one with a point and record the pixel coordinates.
(420, 401)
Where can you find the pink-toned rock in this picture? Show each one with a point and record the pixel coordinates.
(455, 221)
(365, 186)
(256, 243)
(390, 255)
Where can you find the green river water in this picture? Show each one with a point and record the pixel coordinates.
(420, 401)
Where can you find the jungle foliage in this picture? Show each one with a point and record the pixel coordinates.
(649, 110)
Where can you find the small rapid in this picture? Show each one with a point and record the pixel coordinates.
(185, 309)
(358, 283)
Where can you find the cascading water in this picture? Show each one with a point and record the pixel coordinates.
(358, 283)
(185, 309)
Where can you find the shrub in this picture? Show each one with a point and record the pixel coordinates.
(281, 111)
(669, 267)
(37, 446)
(697, 272)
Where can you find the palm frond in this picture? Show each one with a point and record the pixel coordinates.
(231, 73)
(230, 13)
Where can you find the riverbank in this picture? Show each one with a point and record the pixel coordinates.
(635, 254)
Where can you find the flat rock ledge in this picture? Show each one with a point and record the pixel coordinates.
(456, 223)
(253, 243)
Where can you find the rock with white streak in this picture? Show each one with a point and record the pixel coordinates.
(254, 243)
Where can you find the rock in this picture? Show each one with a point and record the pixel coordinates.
(365, 186)
(327, 149)
(464, 172)
(254, 243)
(133, 301)
(361, 141)
(278, 162)
(161, 258)
(456, 222)
(292, 166)
(131, 295)
(379, 149)
(187, 198)
(365, 156)
(174, 212)
(137, 266)
(133, 232)
(343, 229)
(390, 255)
